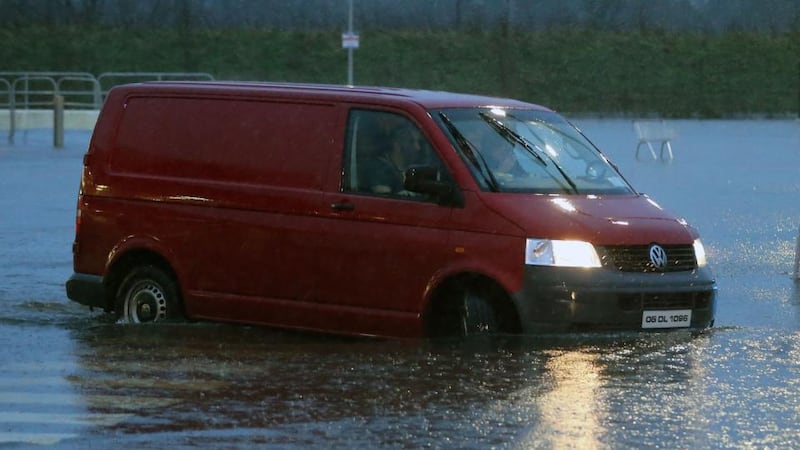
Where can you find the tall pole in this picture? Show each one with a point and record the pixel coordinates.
(797, 258)
(350, 49)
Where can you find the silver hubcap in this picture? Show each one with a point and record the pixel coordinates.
(146, 303)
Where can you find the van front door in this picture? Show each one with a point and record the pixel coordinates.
(383, 245)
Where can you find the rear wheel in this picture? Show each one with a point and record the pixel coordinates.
(148, 294)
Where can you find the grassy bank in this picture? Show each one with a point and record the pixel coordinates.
(575, 71)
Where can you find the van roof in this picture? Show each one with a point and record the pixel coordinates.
(372, 94)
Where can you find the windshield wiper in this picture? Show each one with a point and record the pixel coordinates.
(533, 149)
(474, 157)
(551, 128)
(511, 136)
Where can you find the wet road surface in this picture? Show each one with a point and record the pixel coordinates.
(74, 379)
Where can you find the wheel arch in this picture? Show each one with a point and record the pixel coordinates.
(126, 261)
(444, 297)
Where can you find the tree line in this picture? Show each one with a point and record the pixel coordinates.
(703, 16)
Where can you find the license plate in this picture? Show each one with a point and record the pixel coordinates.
(673, 318)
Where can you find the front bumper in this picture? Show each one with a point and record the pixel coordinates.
(573, 299)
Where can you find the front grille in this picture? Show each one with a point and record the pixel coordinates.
(667, 300)
(636, 258)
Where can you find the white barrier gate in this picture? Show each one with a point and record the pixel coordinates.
(649, 132)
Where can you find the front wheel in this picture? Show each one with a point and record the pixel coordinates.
(148, 294)
(477, 314)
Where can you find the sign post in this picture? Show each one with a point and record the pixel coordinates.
(350, 42)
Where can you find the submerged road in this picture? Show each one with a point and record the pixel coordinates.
(70, 378)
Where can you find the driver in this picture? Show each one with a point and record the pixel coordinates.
(385, 173)
(502, 159)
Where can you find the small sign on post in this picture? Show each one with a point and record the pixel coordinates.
(349, 43)
(349, 40)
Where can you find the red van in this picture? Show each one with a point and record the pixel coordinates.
(370, 211)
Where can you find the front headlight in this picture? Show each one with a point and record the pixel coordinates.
(699, 253)
(548, 252)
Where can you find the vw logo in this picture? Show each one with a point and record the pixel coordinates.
(658, 256)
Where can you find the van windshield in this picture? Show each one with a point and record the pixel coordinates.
(530, 151)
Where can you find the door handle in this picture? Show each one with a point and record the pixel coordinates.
(342, 206)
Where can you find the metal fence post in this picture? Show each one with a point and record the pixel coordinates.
(797, 258)
(58, 121)
(12, 110)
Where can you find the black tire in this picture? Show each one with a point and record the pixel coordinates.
(148, 294)
(477, 315)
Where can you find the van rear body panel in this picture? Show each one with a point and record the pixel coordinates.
(252, 199)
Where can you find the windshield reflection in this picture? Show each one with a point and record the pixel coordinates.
(532, 151)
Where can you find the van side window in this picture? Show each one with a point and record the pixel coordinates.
(380, 147)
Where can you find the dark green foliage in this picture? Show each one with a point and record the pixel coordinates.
(571, 70)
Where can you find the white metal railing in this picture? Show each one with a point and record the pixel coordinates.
(37, 91)
(8, 104)
(30, 90)
(107, 80)
(25, 90)
(79, 91)
(33, 91)
(5, 88)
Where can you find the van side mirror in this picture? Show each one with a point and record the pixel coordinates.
(425, 180)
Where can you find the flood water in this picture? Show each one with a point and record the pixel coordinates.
(70, 378)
